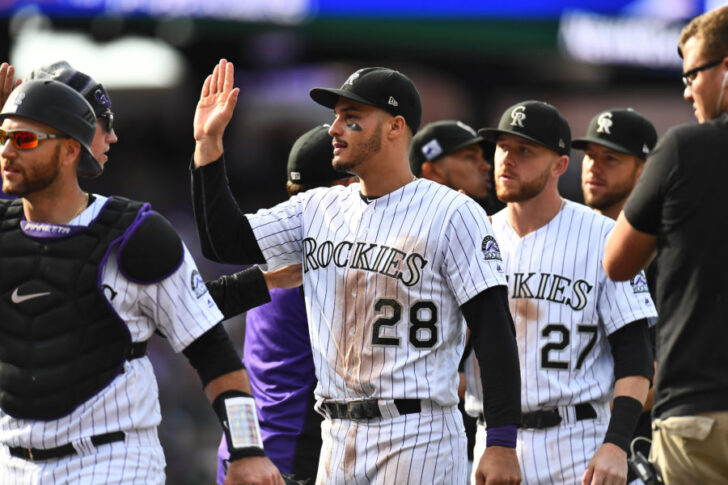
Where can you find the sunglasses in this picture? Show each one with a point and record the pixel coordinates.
(107, 121)
(26, 139)
(689, 76)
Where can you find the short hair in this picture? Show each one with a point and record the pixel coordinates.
(293, 188)
(712, 28)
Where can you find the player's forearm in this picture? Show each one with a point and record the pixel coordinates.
(239, 292)
(207, 150)
(635, 387)
(493, 339)
(224, 232)
(236, 380)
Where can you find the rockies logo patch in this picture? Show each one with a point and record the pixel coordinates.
(490, 249)
(197, 284)
(639, 283)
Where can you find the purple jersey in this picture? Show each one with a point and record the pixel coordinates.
(277, 356)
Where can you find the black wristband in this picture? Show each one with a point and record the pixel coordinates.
(625, 414)
(253, 444)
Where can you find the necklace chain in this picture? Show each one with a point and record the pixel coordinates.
(83, 206)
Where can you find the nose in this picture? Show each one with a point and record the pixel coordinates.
(688, 93)
(111, 137)
(484, 166)
(7, 149)
(336, 127)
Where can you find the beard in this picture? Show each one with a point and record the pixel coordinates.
(364, 151)
(527, 190)
(36, 177)
(605, 201)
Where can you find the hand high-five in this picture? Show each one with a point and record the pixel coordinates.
(7, 82)
(214, 112)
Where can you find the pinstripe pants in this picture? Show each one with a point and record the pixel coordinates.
(412, 449)
(139, 460)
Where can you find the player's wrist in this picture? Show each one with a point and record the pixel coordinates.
(625, 414)
(239, 419)
(504, 436)
(207, 151)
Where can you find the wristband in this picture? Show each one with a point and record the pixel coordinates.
(625, 414)
(501, 436)
(239, 419)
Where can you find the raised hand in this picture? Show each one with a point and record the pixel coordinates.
(7, 82)
(214, 112)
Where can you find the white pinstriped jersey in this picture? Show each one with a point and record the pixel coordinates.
(384, 282)
(564, 307)
(130, 401)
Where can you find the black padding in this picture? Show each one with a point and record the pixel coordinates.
(152, 252)
(632, 351)
(212, 354)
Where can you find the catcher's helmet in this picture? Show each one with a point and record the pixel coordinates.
(61, 107)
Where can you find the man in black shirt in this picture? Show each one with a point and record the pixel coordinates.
(677, 210)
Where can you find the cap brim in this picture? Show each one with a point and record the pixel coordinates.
(329, 97)
(491, 135)
(581, 143)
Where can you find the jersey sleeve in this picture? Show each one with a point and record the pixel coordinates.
(623, 302)
(180, 305)
(279, 231)
(472, 259)
(643, 209)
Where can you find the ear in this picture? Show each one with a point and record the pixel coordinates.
(640, 166)
(560, 165)
(432, 171)
(397, 127)
(70, 152)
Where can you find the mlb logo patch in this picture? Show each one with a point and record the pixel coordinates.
(197, 284)
(639, 283)
(490, 249)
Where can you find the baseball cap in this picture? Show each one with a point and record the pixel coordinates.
(381, 87)
(438, 139)
(309, 161)
(621, 129)
(536, 121)
(62, 71)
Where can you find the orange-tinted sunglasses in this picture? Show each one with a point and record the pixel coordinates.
(26, 139)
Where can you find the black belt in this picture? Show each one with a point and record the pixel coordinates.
(368, 409)
(549, 418)
(37, 454)
(138, 349)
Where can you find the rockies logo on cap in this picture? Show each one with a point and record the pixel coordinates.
(621, 129)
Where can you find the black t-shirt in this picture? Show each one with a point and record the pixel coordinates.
(681, 198)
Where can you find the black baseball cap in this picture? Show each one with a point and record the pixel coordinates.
(309, 161)
(536, 121)
(92, 90)
(621, 129)
(438, 139)
(381, 87)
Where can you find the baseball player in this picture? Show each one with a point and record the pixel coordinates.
(282, 377)
(615, 147)
(676, 211)
(93, 91)
(85, 280)
(451, 153)
(577, 331)
(390, 267)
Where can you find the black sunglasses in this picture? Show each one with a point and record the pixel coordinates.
(107, 121)
(689, 76)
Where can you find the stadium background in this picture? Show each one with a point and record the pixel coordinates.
(470, 60)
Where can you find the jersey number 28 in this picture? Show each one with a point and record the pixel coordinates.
(422, 318)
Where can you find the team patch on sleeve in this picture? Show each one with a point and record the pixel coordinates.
(639, 283)
(197, 284)
(490, 249)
